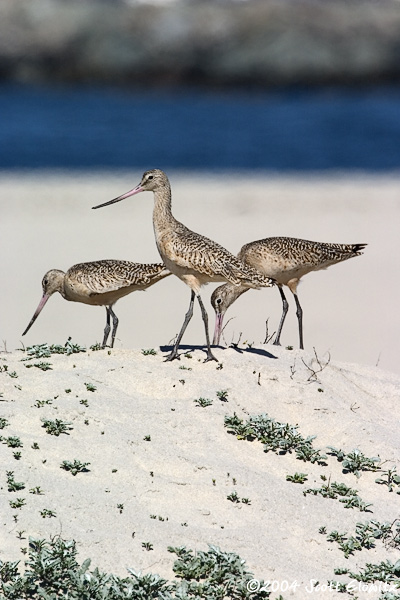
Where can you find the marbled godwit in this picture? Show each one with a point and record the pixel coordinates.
(286, 260)
(100, 283)
(193, 258)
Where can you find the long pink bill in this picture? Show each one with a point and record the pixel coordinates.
(219, 318)
(135, 190)
(43, 301)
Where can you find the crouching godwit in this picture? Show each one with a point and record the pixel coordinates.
(100, 283)
(193, 258)
(286, 260)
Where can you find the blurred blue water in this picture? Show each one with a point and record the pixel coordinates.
(92, 128)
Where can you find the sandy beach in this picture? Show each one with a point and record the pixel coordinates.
(152, 449)
(350, 309)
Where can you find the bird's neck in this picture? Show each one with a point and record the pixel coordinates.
(61, 288)
(58, 283)
(236, 291)
(162, 214)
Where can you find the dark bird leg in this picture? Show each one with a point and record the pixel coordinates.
(285, 305)
(106, 328)
(210, 355)
(299, 313)
(188, 316)
(115, 325)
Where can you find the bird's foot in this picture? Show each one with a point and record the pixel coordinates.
(210, 356)
(174, 355)
(276, 343)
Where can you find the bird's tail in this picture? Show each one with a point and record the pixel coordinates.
(357, 248)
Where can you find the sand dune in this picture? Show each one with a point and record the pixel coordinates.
(172, 464)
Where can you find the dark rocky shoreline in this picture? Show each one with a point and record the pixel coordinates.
(262, 43)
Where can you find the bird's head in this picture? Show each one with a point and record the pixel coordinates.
(52, 282)
(221, 299)
(151, 181)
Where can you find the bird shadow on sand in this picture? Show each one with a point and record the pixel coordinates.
(259, 351)
(184, 349)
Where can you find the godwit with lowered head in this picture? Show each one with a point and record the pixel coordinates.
(286, 260)
(193, 258)
(100, 283)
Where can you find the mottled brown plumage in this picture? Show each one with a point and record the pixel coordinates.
(192, 257)
(286, 260)
(100, 283)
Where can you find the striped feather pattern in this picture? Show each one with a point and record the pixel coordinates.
(104, 276)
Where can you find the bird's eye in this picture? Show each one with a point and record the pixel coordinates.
(219, 300)
(45, 281)
(150, 177)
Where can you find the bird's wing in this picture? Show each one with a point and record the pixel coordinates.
(298, 252)
(197, 252)
(110, 275)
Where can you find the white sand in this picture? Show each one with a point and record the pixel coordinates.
(140, 396)
(350, 310)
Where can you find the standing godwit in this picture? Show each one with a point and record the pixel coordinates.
(193, 258)
(286, 260)
(100, 283)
